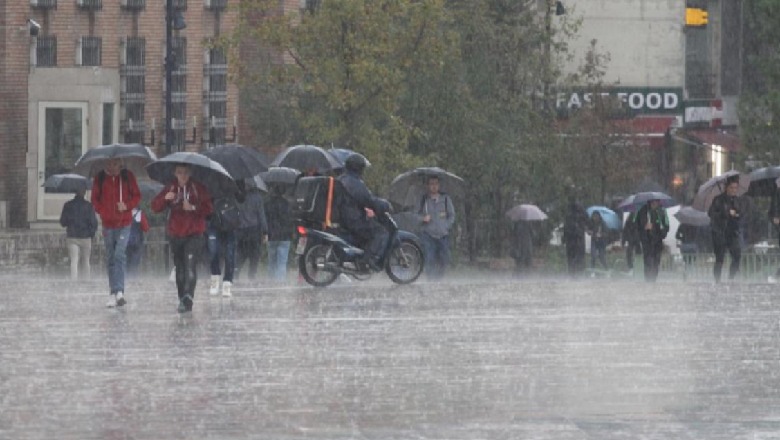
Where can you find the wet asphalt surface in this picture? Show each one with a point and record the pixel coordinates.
(471, 358)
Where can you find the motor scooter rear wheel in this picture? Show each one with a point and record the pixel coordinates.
(405, 262)
(317, 265)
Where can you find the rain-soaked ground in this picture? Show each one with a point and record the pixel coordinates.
(468, 359)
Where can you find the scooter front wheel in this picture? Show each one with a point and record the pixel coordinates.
(317, 265)
(405, 262)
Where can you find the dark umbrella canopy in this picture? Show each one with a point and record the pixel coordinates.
(763, 181)
(204, 170)
(256, 183)
(307, 158)
(636, 201)
(689, 216)
(341, 154)
(526, 212)
(408, 188)
(280, 176)
(149, 188)
(67, 183)
(716, 186)
(240, 161)
(134, 157)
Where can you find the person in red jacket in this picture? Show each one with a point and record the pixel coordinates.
(115, 194)
(189, 203)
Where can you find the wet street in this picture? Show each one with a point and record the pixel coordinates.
(467, 359)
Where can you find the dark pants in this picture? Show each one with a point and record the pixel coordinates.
(222, 243)
(575, 256)
(598, 249)
(186, 253)
(134, 253)
(249, 244)
(722, 243)
(372, 238)
(651, 253)
(437, 255)
(631, 249)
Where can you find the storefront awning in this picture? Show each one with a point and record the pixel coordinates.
(727, 139)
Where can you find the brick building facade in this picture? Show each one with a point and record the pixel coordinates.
(94, 74)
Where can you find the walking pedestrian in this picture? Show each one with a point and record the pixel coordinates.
(652, 225)
(115, 194)
(222, 240)
(688, 235)
(437, 214)
(78, 218)
(280, 232)
(598, 240)
(726, 214)
(135, 244)
(574, 226)
(252, 231)
(630, 240)
(189, 203)
(774, 217)
(522, 246)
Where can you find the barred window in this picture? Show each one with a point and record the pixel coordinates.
(180, 5)
(134, 4)
(90, 48)
(90, 4)
(46, 51)
(179, 115)
(135, 51)
(133, 131)
(44, 4)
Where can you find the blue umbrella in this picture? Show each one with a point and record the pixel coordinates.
(636, 201)
(610, 217)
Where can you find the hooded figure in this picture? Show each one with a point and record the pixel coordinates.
(652, 225)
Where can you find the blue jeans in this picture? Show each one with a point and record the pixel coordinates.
(115, 240)
(216, 240)
(277, 259)
(437, 255)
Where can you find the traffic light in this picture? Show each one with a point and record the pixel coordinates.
(696, 17)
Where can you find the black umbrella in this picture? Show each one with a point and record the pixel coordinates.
(341, 154)
(716, 186)
(134, 157)
(689, 216)
(307, 159)
(240, 161)
(66, 183)
(636, 201)
(408, 188)
(763, 181)
(204, 170)
(256, 183)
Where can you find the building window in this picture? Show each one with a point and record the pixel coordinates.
(90, 4)
(216, 5)
(89, 51)
(180, 5)
(179, 115)
(44, 4)
(136, 5)
(133, 89)
(215, 95)
(46, 51)
(108, 123)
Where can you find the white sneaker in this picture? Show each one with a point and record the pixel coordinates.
(771, 280)
(172, 276)
(226, 285)
(214, 287)
(120, 299)
(111, 302)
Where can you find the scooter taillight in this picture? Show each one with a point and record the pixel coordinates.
(301, 231)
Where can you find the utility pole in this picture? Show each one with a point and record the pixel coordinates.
(169, 62)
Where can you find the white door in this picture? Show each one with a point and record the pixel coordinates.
(62, 139)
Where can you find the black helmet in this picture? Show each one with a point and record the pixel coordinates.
(356, 163)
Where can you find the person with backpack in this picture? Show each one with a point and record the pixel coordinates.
(115, 194)
(190, 204)
(135, 245)
(652, 225)
(221, 239)
(78, 218)
(252, 231)
(437, 215)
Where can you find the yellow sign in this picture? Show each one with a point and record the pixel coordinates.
(696, 17)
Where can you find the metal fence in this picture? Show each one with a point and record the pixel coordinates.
(754, 266)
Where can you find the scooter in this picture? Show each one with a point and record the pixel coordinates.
(324, 256)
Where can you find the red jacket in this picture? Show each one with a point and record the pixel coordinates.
(113, 190)
(183, 223)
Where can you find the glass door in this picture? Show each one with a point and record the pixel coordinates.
(62, 139)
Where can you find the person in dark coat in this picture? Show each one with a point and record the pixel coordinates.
(522, 246)
(630, 240)
(80, 222)
(726, 214)
(358, 209)
(688, 235)
(280, 232)
(652, 226)
(598, 240)
(574, 226)
(252, 232)
(774, 217)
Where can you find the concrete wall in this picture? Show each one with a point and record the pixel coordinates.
(644, 38)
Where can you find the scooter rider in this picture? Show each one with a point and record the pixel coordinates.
(358, 210)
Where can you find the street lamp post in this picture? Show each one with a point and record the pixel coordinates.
(168, 76)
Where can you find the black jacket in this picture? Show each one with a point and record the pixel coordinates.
(79, 219)
(659, 221)
(253, 212)
(357, 197)
(721, 222)
(277, 212)
(630, 232)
